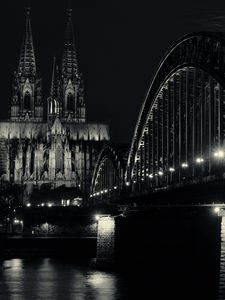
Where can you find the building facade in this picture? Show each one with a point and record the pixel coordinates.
(61, 149)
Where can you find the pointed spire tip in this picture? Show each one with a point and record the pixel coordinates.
(28, 11)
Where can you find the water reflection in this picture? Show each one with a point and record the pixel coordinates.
(49, 279)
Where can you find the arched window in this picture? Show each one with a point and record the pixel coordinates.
(27, 100)
(70, 101)
(56, 107)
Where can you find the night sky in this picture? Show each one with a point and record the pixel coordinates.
(119, 46)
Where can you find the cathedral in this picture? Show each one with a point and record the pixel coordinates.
(60, 148)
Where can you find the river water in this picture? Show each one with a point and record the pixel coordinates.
(45, 278)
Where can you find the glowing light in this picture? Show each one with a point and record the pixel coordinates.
(219, 154)
(115, 187)
(171, 169)
(102, 192)
(127, 183)
(49, 204)
(106, 225)
(97, 217)
(42, 204)
(28, 204)
(217, 209)
(160, 173)
(184, 165)
(106, 191)
(150, 176)
(91, 196)
(199, 160)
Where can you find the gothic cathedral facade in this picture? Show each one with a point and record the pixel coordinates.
(62, 148)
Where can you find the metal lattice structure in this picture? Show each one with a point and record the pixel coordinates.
(180, 133)
(108, 176)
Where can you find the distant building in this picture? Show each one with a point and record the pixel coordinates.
(59, 150)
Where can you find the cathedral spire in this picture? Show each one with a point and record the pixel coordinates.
(27, 64)
(53, 87)
(69, 60)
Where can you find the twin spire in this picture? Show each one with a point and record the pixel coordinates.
(69, 60)
(27, 63)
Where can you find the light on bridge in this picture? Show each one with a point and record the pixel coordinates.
(171, 169)
(160, 173)
(217, 210)
(199, 160)
(150, 176)
(219, 154)
(184, 165)
(49, 204)
(97, 217)
(115, 187)
(28, 205)
(127, 183)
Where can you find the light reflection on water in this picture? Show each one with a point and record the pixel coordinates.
(58, 279)
(50, 279)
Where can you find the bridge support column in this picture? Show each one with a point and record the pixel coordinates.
(222, 261)
(106, 240)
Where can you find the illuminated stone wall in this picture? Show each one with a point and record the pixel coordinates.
(222, 262)
(106, 240)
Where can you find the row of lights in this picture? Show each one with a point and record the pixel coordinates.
(42, 204)
(219, 154)
(103, 192)
(16, 221)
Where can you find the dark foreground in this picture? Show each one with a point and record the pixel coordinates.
(32, 247)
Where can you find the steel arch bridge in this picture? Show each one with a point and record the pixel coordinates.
(179, 137)
(109, 174)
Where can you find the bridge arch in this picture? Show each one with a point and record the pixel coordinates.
(108, 176)
(180, 130)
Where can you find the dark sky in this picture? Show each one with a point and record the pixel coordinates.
(119, 46)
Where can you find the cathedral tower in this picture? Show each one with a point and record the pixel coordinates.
(26, 103)
(72, 91)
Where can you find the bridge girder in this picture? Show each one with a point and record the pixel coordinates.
(181, 125)
(195, 65)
